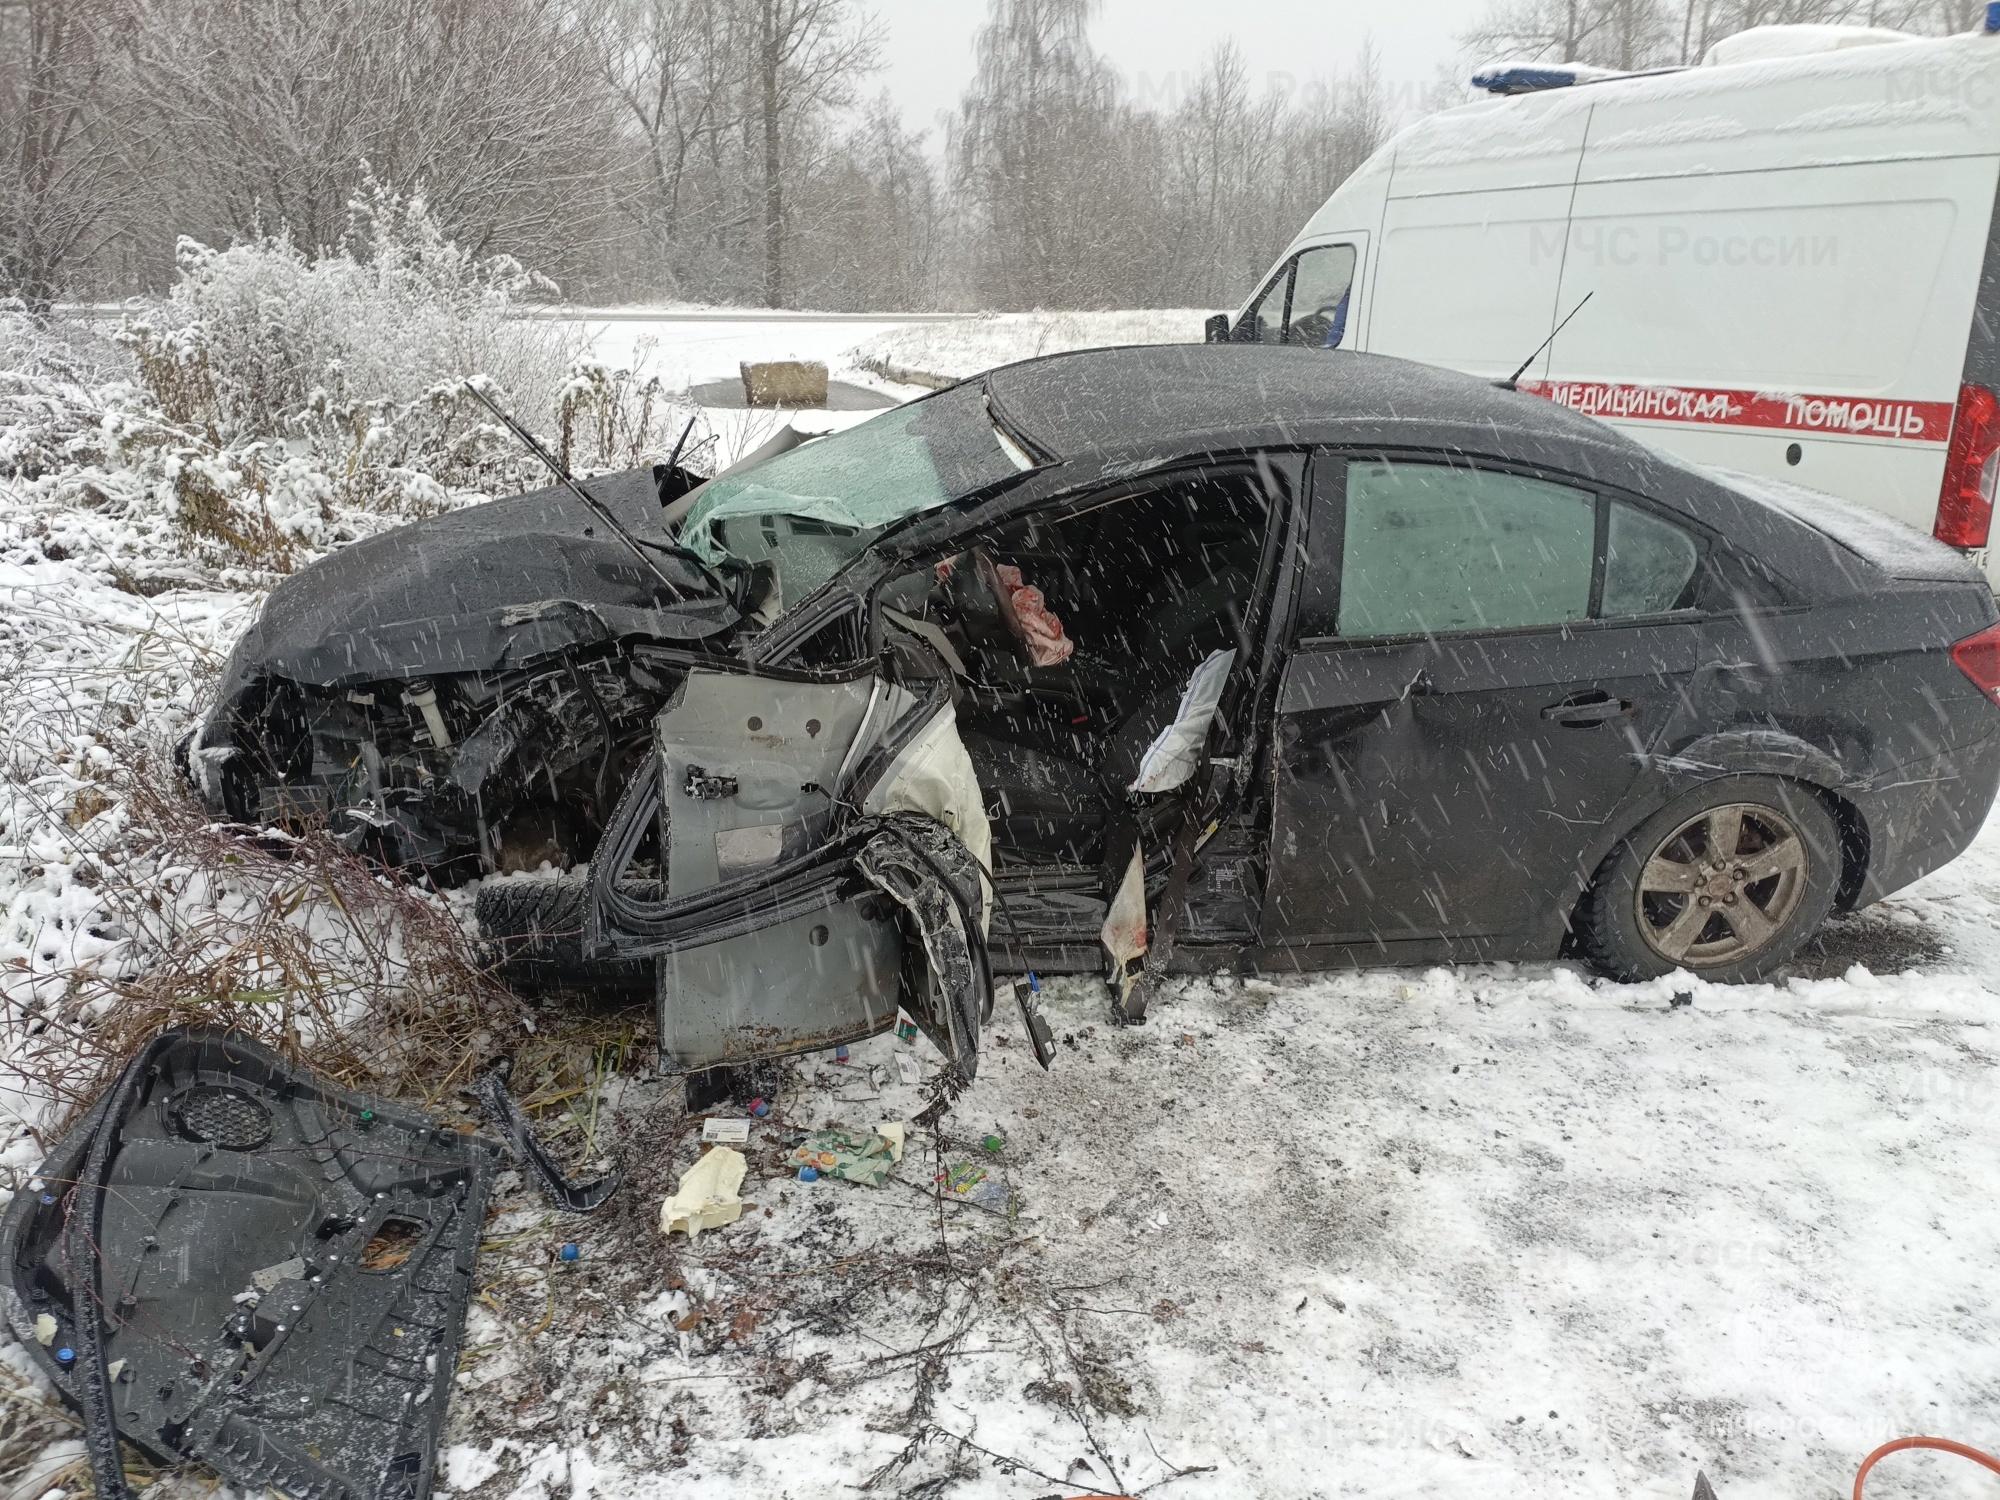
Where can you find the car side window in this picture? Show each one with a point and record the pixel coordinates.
(1649, 567)
(1431, 548)
(1308, 302)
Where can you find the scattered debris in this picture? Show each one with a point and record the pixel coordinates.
(707, 1195)
(500, 1108)
(851, 1155)
(720, 1132)
(976, 1183)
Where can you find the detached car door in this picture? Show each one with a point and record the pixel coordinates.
(822, 844)
(1481, 658)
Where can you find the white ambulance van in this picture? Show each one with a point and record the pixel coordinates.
(1784, 261)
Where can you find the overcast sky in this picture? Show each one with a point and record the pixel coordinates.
(1157, 44)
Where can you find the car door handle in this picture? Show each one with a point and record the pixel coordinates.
(1583, 710)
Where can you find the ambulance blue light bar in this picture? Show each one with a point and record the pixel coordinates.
(1532, 80)
(1536, 78)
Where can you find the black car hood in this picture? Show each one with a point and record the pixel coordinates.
(486, 588)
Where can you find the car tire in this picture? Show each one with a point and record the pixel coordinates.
(533, 932)
(1671, 896)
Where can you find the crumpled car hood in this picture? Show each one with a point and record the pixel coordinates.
(481, 589)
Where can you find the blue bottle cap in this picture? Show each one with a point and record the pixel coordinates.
(570, 1251)
(808, 1174)
(65, 1355)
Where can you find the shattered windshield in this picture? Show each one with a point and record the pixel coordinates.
(814, 509)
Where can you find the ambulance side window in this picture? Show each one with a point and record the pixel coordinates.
(1265, 322)
(1309, 302)
(1322, 297)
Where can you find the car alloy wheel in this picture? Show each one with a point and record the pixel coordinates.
(1722, 886)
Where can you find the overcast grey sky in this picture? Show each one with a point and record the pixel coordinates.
(1156, 44)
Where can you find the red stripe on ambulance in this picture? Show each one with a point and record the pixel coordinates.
(1847, 416)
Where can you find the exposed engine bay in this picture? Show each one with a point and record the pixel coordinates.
(511, 766)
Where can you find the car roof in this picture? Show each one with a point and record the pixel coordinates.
(1111, 411)
(1168, 399)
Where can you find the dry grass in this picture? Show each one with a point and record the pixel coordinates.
(614, 419)
(351, 969)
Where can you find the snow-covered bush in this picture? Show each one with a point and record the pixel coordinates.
(276, 404)
(47, 373)
(254, 335)
(336, 378)
(613, 418)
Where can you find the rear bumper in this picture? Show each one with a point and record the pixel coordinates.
(1923, 816)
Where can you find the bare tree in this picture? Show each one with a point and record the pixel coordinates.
(869, 226)
(809, 55)
(275, 109)
(716, 149)
(66, 166)
(680, 86)
(1626, 34)
(730, 108)
(1037, 146)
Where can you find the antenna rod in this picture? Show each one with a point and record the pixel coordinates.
(1513, 382)
(569, 481)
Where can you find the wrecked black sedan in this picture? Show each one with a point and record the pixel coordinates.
(1135, 660)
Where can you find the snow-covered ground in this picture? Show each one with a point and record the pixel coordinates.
(1452, 1233)
(688, 349)
(1477, 1232)
(691, 347)
(955, 350)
